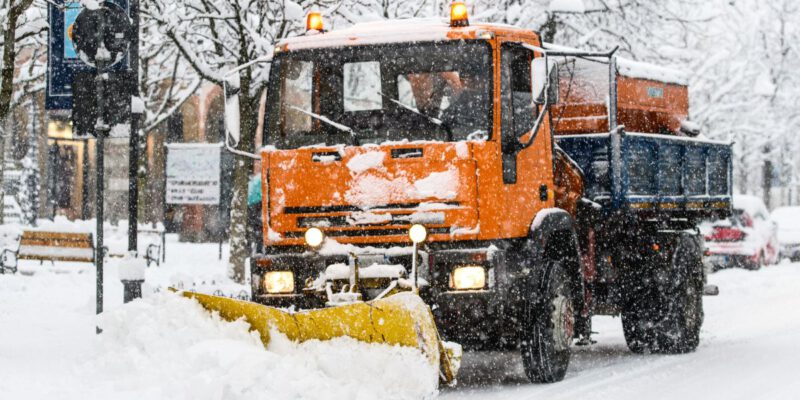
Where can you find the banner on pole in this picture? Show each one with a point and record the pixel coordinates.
(193, 173)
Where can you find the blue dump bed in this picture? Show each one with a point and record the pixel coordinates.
(656, 176)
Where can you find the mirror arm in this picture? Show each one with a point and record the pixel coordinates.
(240, 152)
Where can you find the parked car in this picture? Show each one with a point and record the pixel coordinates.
(748, 239)
(788, 220)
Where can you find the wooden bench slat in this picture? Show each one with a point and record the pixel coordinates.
(56, 235)
(57, 243)
(68, 259)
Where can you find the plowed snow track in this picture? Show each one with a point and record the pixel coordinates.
(750, 349)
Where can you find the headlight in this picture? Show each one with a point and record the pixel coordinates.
(468, 277)
(314, 237)
(417, 233)
(279, 282)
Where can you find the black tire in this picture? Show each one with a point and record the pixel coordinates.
(637, 329)
(668, 315)
(759, 263)
(548, 324)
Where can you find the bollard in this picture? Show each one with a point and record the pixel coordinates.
(132, 290)
(131, 273)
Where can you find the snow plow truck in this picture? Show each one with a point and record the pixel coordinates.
(430, 182)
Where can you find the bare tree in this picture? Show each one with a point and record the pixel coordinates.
(214, 37)
(23, 27)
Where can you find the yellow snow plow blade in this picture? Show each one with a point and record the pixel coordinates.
(402, 319)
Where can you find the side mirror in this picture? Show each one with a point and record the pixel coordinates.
(232, 116)
(544, 78)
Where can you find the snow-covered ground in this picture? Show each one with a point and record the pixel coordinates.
(166, 347)
(750, 349)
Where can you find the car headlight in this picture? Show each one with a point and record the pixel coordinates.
(279, 282)
(314, 237)
(470, 277)
(417, 233)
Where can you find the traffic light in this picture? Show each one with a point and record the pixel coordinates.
(117, 95)
(108, 26)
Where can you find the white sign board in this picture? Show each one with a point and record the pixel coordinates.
(193, 173)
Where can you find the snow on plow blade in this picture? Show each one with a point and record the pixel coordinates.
(402, 319)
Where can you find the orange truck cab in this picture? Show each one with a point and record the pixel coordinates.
(373, 129)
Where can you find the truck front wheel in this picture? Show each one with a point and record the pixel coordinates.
(548, 326)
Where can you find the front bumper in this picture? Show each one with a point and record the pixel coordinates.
(477, 319)
(745, 249)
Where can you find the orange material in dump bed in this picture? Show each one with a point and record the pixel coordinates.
(647, 101)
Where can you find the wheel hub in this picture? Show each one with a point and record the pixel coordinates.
(563, 322)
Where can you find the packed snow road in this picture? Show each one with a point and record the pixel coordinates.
(750, 349)
(165, 347)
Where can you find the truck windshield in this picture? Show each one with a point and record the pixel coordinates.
(379, 93)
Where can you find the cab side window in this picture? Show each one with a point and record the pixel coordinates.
(517, 108)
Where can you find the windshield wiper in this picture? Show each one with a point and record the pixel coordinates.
(435, 121)
(341, 127)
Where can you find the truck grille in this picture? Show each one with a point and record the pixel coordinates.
(368, 232)
(334, 209)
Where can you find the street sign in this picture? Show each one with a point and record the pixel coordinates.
(193, 173)
(63, 59)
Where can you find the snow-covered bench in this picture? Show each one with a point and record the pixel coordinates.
(154, 252)
(49, 246)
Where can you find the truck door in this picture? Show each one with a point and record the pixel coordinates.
(520, 181)
(517, 110)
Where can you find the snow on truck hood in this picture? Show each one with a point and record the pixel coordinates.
(167, 346)
(388, 185)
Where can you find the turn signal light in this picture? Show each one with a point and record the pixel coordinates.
(458, 15)
(314, 22)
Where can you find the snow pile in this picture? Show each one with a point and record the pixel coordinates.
(442, 185)
(132, 268)
(749, 204)
(167, 346)
(365, 161)
(642, 70)
(372, 184)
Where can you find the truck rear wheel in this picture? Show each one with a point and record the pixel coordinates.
(666, 316)
(548, 326)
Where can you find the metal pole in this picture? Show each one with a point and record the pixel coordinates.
(612, 96)
(85, 211)
(133, 184)
(414, 268)
(98, 258)
(163, 246)
(102, 129)
(133, 163)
